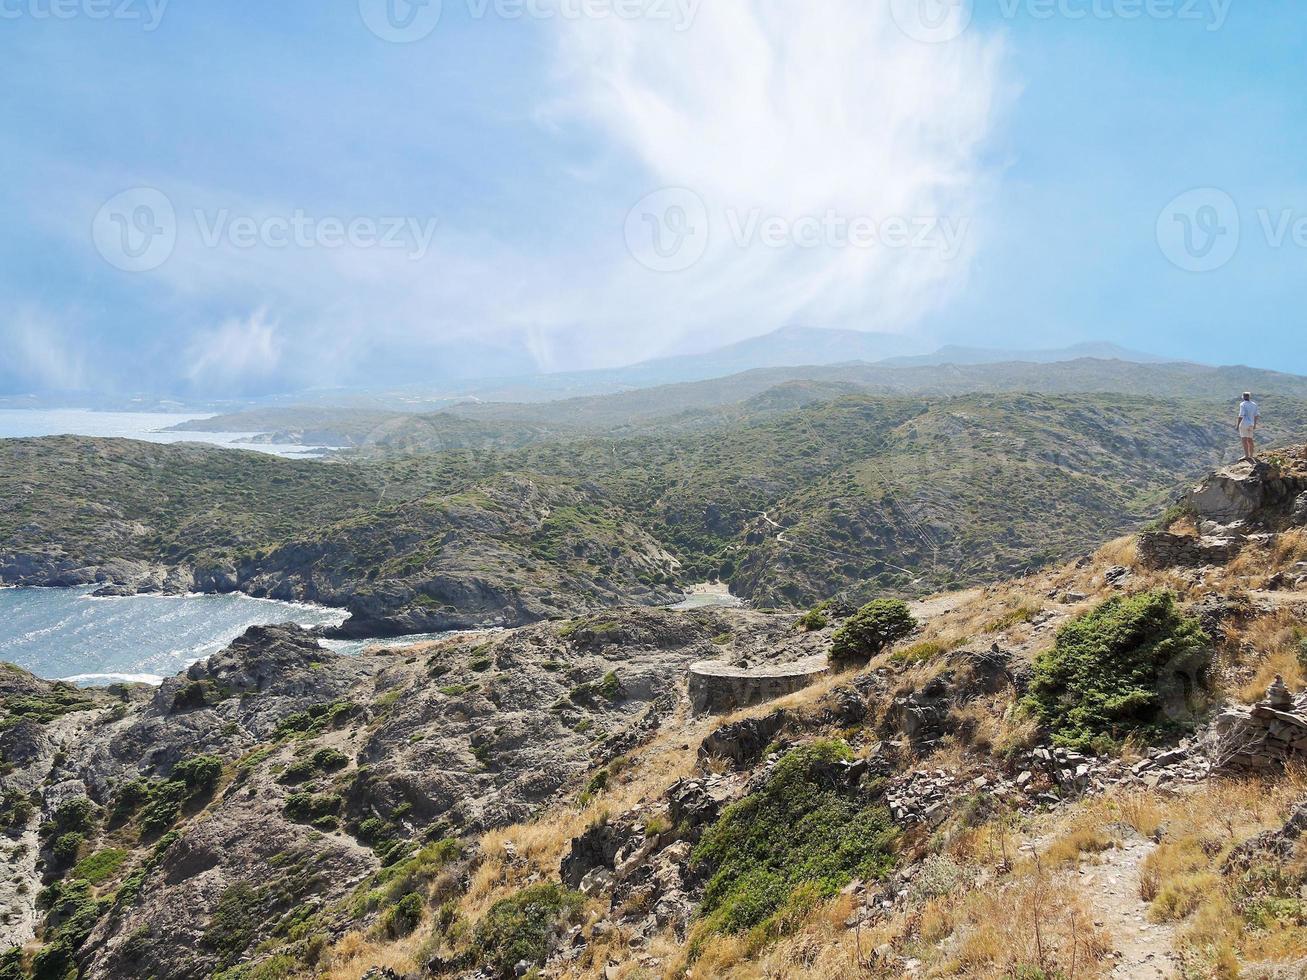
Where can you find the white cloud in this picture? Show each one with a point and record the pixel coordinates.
(236, 355)
(790, 109)
(37, 349)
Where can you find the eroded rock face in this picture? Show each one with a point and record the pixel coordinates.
(451, 738)
(744, 742)
(1245, 491)
(923, 715)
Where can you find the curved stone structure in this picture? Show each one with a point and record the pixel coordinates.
(719, 688)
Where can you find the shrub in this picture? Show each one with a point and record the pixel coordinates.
(1126, 668)
(15, 810)
(872, 628)
(814, 619)
(66, 847)
(308, 807)
(75, 814)
(194, 695)
(402, 917)
(796, 834)
(128, 799)
(100, 866)
(523, 927)
(165, 806)
(200, 773)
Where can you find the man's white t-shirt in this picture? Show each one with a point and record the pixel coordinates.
(1248, 413)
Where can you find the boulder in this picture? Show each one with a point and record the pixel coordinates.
(1244, 491)
(743, 742)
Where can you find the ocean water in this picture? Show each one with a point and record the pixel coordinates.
(24, 423)
(66, 634)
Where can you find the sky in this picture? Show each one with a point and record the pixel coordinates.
(233, 199)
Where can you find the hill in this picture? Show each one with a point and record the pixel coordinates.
(789, 506)
(1012, 782)
(742, 398)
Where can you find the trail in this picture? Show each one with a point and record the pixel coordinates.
(780, 531)
(1111, 889)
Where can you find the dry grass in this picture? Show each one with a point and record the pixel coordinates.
(1028, 922)
(1183, 880)
(1267, 647)
(355, 954)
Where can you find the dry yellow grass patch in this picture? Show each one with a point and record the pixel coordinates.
(1270, 645)
(1028, 921)
(355, 954)
(1184, 882)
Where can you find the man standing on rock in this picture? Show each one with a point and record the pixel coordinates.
(1249, 417)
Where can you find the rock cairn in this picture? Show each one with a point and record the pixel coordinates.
(1265, 736)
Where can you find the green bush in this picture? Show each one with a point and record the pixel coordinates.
(523, 927)
(402, 917)
(872, 628)
(796, 836)
(812, 621)
(194, 695)
(11, 964)
(308, 807)
(164, 808)
(66, 847)
(100, 866)
(200, 773)
(75, 814)
(15, 810)
(1129, 667)
(128, 799)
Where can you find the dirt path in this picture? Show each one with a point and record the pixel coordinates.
(1111, 889)
(927, 609)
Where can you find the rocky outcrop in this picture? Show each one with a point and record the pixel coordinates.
(1247, 490)
(1264, 737)
(328, 761)
(743, 743)
(922, 716)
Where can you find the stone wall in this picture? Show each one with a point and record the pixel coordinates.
(719, 688)
(1265, 736)
(1161, 549)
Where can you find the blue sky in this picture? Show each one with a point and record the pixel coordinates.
(541, 187)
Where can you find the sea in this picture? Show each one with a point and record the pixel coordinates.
(24, 423)
(68, 634)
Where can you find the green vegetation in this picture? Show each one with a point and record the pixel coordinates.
(814, 619)
(316, 720)
(312, 807)
(1131, 667)
(197, 694)
(871, 629)
(796, 838)
(324, 760)
(43, 707)
(522, 927)
(877, 494)
(100, 866)
(16, 810)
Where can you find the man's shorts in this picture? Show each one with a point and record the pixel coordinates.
(1246, 431)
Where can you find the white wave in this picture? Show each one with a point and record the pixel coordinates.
(95, 680)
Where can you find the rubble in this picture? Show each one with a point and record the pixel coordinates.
(1265, 736)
